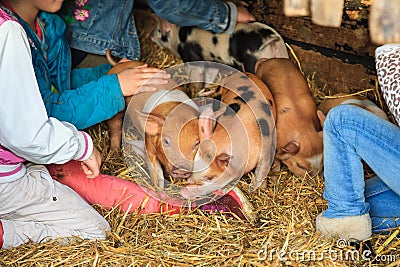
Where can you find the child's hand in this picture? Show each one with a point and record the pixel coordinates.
(124, 60)
(91, 166)
(244, 15)
(141, 79)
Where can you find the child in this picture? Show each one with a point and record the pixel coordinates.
(356, 208)
(33, 206)
(83, 97)
(87, 32)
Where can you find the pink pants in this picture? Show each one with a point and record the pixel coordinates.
(108, 191)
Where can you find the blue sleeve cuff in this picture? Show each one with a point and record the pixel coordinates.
(231, 18)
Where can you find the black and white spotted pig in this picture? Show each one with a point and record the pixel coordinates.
(241, 49)
(242, 137)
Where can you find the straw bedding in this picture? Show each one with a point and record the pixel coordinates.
(286, 213)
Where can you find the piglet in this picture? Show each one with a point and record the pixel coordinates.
(168, 121)
(298, 124)
(238, 138)
(356, 100)
(241, 49)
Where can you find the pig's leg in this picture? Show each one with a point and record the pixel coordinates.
(275, 169)
(108, 191)
(115, 126)
(197, 76)
(266, 160)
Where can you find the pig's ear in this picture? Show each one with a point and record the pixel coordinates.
(223, 160)
(321, 116)
(206, 123)
(166, 26)
(291, 148)
(151, 124)
(220, 112)
(153, 16)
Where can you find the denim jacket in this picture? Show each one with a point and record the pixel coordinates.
(82, 97)
(96, 25)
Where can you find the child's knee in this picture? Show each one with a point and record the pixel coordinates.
(342, 116)
(334, 118)
(96, 229)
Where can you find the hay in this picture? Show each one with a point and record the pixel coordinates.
(286, 210)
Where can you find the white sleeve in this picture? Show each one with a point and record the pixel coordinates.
(25, 128)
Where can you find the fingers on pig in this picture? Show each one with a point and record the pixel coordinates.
(132, 75)
(133, 78)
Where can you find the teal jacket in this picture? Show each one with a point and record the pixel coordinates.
(82, 97)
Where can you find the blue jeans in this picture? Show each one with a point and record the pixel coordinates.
(110, 24)
(352, 134)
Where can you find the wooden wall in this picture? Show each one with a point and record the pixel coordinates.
(341, 59)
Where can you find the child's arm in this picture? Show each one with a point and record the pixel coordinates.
(25, 128)
(88, 96)
(82, 76)
(213, 15)
(87, 105)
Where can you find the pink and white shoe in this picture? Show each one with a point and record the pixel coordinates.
(234, 202)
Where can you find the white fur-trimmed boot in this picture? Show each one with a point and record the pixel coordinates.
(351, 227)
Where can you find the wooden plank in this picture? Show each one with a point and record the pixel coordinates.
(327, 12)
(331, 75)
(384, 21)
(341, 59)
(351, 37)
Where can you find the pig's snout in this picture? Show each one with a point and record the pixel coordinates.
(180, 173)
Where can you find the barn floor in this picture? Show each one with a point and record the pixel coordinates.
(284, 234)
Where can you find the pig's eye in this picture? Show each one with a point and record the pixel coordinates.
(166, 141)
(301, 166)
(210, 178)
(196, 144)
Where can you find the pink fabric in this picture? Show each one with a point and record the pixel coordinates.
(108, 191)
(1, 235)
(9, 158)
(4, 16)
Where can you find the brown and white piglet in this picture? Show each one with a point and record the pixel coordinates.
(235, 140)
(356, 100)
(299, 132)
(168, 121)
